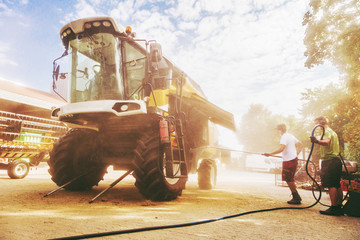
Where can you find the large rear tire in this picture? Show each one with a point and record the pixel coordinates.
(207, 174)
(18, 169)
(75, 154)
(149, 170)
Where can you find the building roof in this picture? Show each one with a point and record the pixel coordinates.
(21, 99)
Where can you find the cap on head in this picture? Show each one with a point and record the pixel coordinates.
(322, 120)
(281, 127)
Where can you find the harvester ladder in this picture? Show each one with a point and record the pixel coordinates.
(177, 152)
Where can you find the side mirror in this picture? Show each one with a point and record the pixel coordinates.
(56, 66)
(155, 52)
(56, 72)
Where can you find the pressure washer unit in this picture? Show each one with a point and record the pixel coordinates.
(352, 206)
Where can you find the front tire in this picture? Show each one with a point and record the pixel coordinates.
(75, 154)
(18, 169)
(149, 170)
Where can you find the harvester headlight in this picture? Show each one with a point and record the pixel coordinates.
(124, 107)
(96, 24)
(66, 33)
(87, 25)
(106, 23)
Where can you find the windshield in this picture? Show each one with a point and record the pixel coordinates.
(135, 65)
(99, 67)
(95, 68)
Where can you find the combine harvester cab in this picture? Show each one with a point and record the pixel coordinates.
(128, 107)
(25, 141)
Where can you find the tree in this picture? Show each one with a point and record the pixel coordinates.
(257, 129)
(351, 109)
(333, 34)
(330, 101)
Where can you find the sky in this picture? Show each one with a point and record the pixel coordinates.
(240, 52)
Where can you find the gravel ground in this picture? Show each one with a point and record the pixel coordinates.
(26, 214)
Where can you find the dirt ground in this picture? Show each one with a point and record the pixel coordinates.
(26, 214)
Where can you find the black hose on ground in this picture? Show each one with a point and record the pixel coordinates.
(144, 229)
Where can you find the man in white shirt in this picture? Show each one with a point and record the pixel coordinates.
(290, 148)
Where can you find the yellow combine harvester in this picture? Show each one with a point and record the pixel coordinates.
(130, 107)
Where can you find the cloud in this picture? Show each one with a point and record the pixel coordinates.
(5, 49)
(5, 10)
(246, 59)
(24, 2)
(85, 10)
(207, 26)
(240, 52)
(188, 10)
(123, 11)
(5, 60)
(185, 26)
(217, 6)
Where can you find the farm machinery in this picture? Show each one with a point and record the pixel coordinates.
(130, 107)
(25, 141)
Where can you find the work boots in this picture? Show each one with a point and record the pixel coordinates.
(333, 211)
(296, 199)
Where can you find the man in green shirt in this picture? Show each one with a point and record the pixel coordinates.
(331, 167)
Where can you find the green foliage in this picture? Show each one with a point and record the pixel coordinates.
(258, 129)
(343, 111)
(352, 128)
(321, 101)
(333, 34)
(330, 101)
